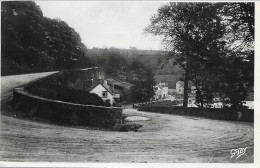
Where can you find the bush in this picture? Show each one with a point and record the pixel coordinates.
(107, 103)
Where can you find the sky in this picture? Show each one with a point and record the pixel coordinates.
(107, 24)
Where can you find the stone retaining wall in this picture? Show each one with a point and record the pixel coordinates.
(80, 79)
(213, 113)
(65, 112)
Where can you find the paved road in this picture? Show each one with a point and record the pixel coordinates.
(164, 138)
(10, 82)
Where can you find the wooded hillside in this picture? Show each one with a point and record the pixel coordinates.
(34, 43)
(152, 59)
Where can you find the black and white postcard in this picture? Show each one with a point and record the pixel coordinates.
(129, 84)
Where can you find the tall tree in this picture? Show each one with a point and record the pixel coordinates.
(142, 89)
(238, 65)
(213, 43)
(192, 33)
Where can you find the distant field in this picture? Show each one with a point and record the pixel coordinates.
(170, 79)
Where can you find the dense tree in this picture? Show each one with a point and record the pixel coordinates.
(142, 89)
(117, 65)
(191, 32)
(210, 42)
(238, 66)
(34, 43)
(235, 80)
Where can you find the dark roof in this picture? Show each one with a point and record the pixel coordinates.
(181, 82)
(189, 84)
(108, 89)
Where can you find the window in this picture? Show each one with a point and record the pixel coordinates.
(104, 94)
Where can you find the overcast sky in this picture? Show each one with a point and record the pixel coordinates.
(107, 24)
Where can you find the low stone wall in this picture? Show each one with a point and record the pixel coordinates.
(65, 112)
(213, 113)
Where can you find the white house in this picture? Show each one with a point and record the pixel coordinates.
(161, 91)
(104, 92)
(180, 87)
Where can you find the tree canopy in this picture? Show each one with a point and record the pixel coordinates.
(210, 41)
(32, 42)
(117, 64)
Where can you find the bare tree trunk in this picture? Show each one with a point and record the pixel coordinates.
(201, 104)
(185, 93)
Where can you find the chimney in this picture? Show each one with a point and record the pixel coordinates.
(105, 82)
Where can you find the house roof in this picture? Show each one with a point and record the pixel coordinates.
(181, 83)
(190, 84)
(161, 85)
(104, 86)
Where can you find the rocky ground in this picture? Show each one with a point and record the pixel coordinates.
(162, 138)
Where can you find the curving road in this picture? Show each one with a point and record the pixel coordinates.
(164, 138)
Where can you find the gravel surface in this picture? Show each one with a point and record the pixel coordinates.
(163, 138)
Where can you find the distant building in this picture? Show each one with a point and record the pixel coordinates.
(161, 91)
(180, 88)
(105, 92)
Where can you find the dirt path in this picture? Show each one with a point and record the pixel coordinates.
(163, 138)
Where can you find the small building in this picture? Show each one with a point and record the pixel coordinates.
(180, 87)
(103, 91)
(161, 91)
